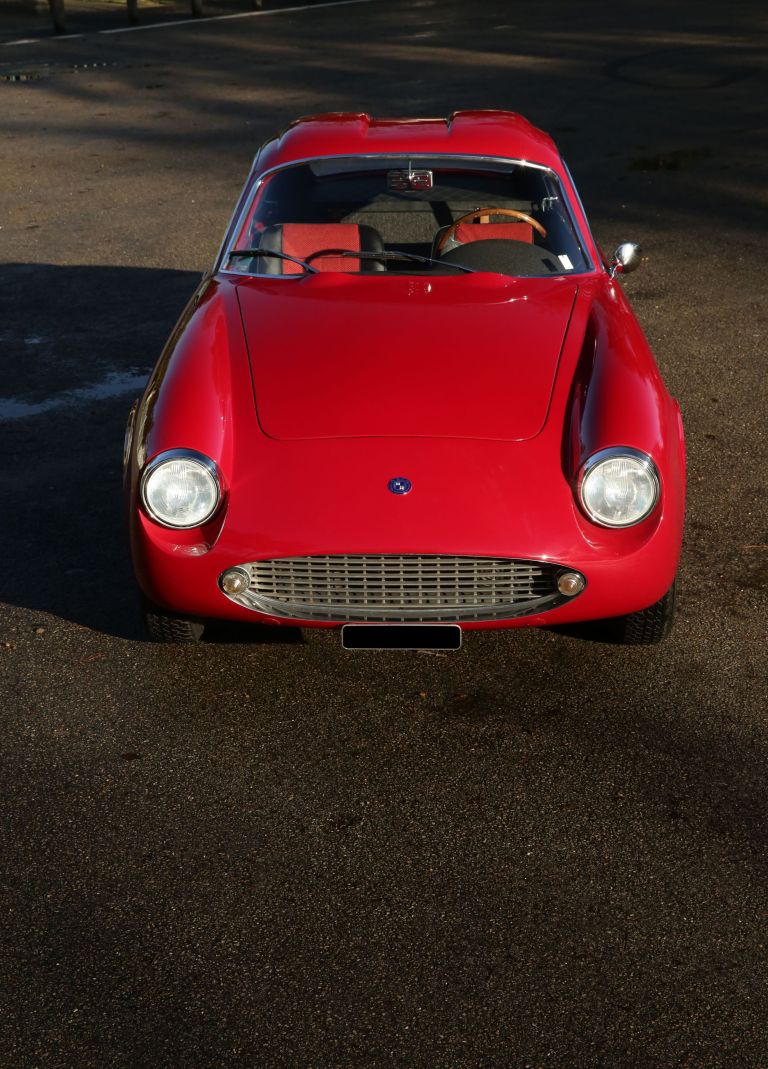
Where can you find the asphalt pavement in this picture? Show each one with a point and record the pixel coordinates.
(540, 851)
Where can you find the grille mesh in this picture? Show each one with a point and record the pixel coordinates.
(401, 588)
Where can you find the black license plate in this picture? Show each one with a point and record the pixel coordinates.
(401, 637)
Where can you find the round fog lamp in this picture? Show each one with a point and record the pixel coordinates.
(570, 584)
(235, 581)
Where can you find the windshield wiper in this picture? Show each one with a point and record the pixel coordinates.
(278, 255)
(386, 255)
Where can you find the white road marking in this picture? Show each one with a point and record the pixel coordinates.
(116, 384)
(201, 21)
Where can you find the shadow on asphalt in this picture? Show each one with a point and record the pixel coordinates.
(536, 852)
(549, 65)
(21, 19)
(70, 329)
(78, 343)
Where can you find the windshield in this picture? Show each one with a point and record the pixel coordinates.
(409, 215)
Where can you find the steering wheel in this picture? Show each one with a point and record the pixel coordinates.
(450, 232)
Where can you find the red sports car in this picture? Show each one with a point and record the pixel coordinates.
(409, 400)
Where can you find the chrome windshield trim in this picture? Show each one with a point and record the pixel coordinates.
(245, 201)
(579, 201)
(234, 222)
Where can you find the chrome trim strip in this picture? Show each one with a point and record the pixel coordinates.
(128, 436)
(236, 223)
(232, 228)
(574, 187)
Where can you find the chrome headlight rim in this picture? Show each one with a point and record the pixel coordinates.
(614, 453)
(180, 454)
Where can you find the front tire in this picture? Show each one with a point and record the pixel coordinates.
(163, 626)
(649, 626)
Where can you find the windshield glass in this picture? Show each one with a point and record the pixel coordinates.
(509, 218)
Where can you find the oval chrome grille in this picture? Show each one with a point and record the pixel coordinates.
(399, 588)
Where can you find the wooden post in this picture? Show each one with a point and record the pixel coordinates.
(57, 13)
(133, 11)
(197, 7)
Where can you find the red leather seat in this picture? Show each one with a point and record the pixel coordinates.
(303, 239)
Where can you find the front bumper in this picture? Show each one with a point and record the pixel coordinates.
(187, 582)
(469, 499)
(400, 588)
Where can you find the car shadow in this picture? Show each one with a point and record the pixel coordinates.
(602, 631)
(237, 634)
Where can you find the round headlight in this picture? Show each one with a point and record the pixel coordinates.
(180, 488)
(619, 487)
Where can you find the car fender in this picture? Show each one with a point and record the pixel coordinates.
(618, 398)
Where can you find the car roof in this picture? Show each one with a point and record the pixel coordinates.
(463, 133)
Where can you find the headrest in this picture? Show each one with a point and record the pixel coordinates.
(302, 239)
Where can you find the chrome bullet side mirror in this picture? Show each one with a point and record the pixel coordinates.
(625, 259)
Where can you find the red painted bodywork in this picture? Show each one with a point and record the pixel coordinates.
(413, 357)
(487, 392)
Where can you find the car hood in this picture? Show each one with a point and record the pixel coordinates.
(348, 356)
